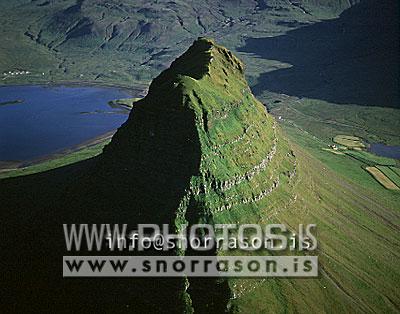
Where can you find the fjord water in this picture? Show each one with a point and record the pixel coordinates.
(36, 121)
(385, 150)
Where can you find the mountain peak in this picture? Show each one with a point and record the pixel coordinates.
(201, 142)
(201, 56)
(204, 58)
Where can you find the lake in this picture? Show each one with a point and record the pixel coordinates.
(36, 121)
(385, 150)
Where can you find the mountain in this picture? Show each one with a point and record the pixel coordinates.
(69, 39)
(201, 130)
(200, 148)
(352, 59)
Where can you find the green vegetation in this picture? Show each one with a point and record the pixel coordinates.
(125, 103)
(345, 165)
(327, 120)
(335, 206)
(392, 173)
(352, 142)
(200, 148)
(56, 161)
(377, 166)
(371, 159)
(382, 178)
(396, 170)
(70, 40)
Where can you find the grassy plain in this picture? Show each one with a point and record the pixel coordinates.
(352, 142)
(392, 173)
(345, 165)
(345, 213)
(382, 178)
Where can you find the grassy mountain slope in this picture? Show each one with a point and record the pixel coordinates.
(201, 148)
(236, 137)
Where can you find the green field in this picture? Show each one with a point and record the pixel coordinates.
(382, 178)
(371, 159)
(392, 173)
(344, 165)
(396, 170)
(352, 142)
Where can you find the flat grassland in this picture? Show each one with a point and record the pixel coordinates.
(352, 142)
(392, 173)
(382, 178)
(333, 151)
(397, 170)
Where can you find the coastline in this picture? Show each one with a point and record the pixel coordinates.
(139, 90)
(6, 166)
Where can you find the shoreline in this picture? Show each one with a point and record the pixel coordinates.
(6, 166)
(140, 88)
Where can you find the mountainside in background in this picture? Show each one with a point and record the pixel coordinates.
(68, 40)
(353, 59)
(313, 62)
(201, 148)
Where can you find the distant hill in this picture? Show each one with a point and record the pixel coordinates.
(353, 59)
(69, 40)
(338, 51)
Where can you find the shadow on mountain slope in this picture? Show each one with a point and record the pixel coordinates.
(140, 178)
(349, 60)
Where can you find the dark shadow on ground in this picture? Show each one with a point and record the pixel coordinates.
(140, 178)
(353, 59)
